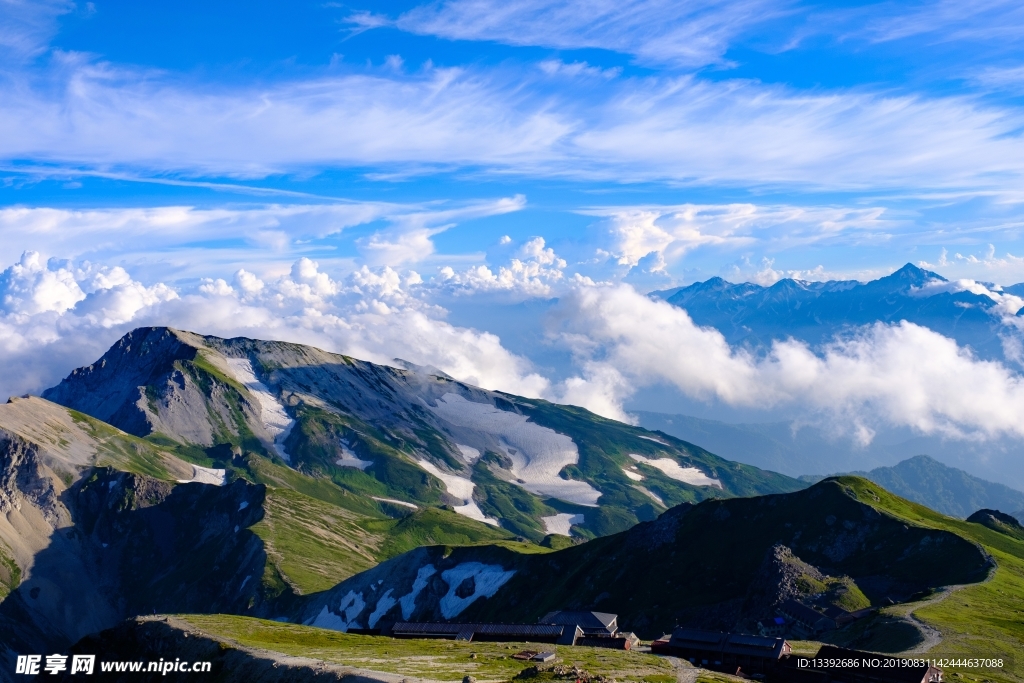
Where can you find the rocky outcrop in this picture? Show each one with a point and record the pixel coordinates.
(116, 544)
(782, 576)
(113, 389)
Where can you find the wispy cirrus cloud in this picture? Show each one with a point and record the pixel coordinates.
(27, 26)
(678, 130)
(654, 31)
(182, 239)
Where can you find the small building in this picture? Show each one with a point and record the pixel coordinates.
(593, 624)
(772, 628)
(727, 652)
(805, 622)
(532, 633)
(870, 668)
(842, 617)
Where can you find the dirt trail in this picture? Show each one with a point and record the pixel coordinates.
(932, 636)
(685, 672)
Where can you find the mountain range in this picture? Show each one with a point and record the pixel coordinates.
(946, 489)
(815, 312)
(797, 449)
(182, 472)
(185, 473)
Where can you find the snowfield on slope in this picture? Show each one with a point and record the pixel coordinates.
(559, 524)
(461, 488)
(350, 459)
(272, 414)
(206, 475)
(672, 469)
(487, 579)
(396, 502)
(538, 454)
(633, 474)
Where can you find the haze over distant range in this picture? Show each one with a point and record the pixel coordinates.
(494, 188)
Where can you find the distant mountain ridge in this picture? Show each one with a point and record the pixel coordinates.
(945, 489)
(753, 315)
(797, 450)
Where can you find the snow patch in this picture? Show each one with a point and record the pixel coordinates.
(652, 495)
(385, 603)
(408, 601)
(461, 488)
(272, 413)
(635, 476)
(559, 524)
(487, 579)
(469, 454)
(672, 469)
(396, 502)
(204, 475)
(349, 459)
(651, 438)
(538, 454)
(349, 608)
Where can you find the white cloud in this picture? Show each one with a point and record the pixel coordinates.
(271, 232)
(30, 287)
(61, 315)
(673, 231)
(371, 314)
(1007, 305)
(28, 25)
(766, 274)
(535, 274)
(682, 129)
(999, 21)
(656, 31)
(895, 375)
(556, 67)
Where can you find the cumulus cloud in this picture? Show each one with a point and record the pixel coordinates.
(60, 315)
(57, 315)
(894, 375)
(673, 231)
(1006, 304)
(535, 273)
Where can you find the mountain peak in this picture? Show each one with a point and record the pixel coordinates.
(913, 274)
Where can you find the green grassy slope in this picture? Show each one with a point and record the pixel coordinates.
(431, 659)
(130, 453)
(697, 566)
(318, 534)
(982, 619)
(10, 572)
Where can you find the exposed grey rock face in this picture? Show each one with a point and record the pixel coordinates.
(152, 380)
(93, 544)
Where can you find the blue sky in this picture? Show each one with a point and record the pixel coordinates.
(901, 122)
(454, 182)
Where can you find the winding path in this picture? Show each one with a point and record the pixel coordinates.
(932, 635)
